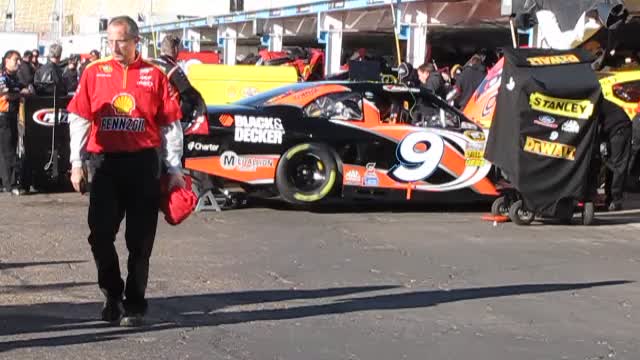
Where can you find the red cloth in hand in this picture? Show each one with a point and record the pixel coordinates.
(177, 203)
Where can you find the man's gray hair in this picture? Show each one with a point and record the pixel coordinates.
(132, 26)
(169, 44)
(55, 51)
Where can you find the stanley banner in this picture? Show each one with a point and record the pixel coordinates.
(543, 134)
(44, 163)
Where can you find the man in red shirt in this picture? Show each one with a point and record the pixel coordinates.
(124, 111)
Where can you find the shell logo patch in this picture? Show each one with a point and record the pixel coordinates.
(123, 104)
(106, 68)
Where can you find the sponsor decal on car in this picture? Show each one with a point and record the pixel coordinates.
(258, 129)
(400, 88)
(475, 135)
(45, 117)
(370, 176)
(226, 120)
(229, 160)
(197, 146)
(571, 126)
(353, 177)
(474, 157)
(546, 121)
(553, 60)
(554, 136)
(578, 109)
(549, 149)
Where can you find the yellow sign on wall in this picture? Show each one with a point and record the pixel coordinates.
(223, 84)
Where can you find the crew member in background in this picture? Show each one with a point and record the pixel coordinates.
(25, 70)
(70, 74)
(191, 101)
(432, 80)
(49, 76)
(469, 79)
(10, 92)
(122, 114)
(93, 56)
(35, 60)
(616, 131)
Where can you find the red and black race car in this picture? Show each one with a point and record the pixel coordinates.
(308, 142)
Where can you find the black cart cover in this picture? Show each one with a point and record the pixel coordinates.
(543, 133)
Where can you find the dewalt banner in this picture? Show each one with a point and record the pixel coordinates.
(543, 133)
(550, 149)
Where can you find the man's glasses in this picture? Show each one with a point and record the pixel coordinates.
(119, 42)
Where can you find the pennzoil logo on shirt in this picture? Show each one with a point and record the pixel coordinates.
(550, 149)
(577, 109)
(115, 123)
(553, 60)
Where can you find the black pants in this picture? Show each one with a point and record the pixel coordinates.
(124, 184)
(617, 163)
(8, 144)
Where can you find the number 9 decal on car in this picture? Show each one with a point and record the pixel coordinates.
(417, 164)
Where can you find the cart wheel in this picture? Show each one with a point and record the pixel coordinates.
(500, 206)
(588, 213)
(519, 215)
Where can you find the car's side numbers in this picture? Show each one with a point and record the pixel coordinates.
(415, 163)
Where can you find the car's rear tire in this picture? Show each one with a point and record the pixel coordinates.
(307, 173)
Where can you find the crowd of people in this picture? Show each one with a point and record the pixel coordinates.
(24, 75)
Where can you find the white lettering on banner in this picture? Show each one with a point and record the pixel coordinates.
(46, 117)
(258, 129)
(414, 164)
(122, 124)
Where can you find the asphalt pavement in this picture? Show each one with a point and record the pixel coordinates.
(269, 282)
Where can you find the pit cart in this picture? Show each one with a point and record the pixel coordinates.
(543, 137)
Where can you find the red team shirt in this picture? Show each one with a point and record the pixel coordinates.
(126, 105)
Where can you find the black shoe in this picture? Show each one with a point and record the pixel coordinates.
(132, 320)
(112, 310)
